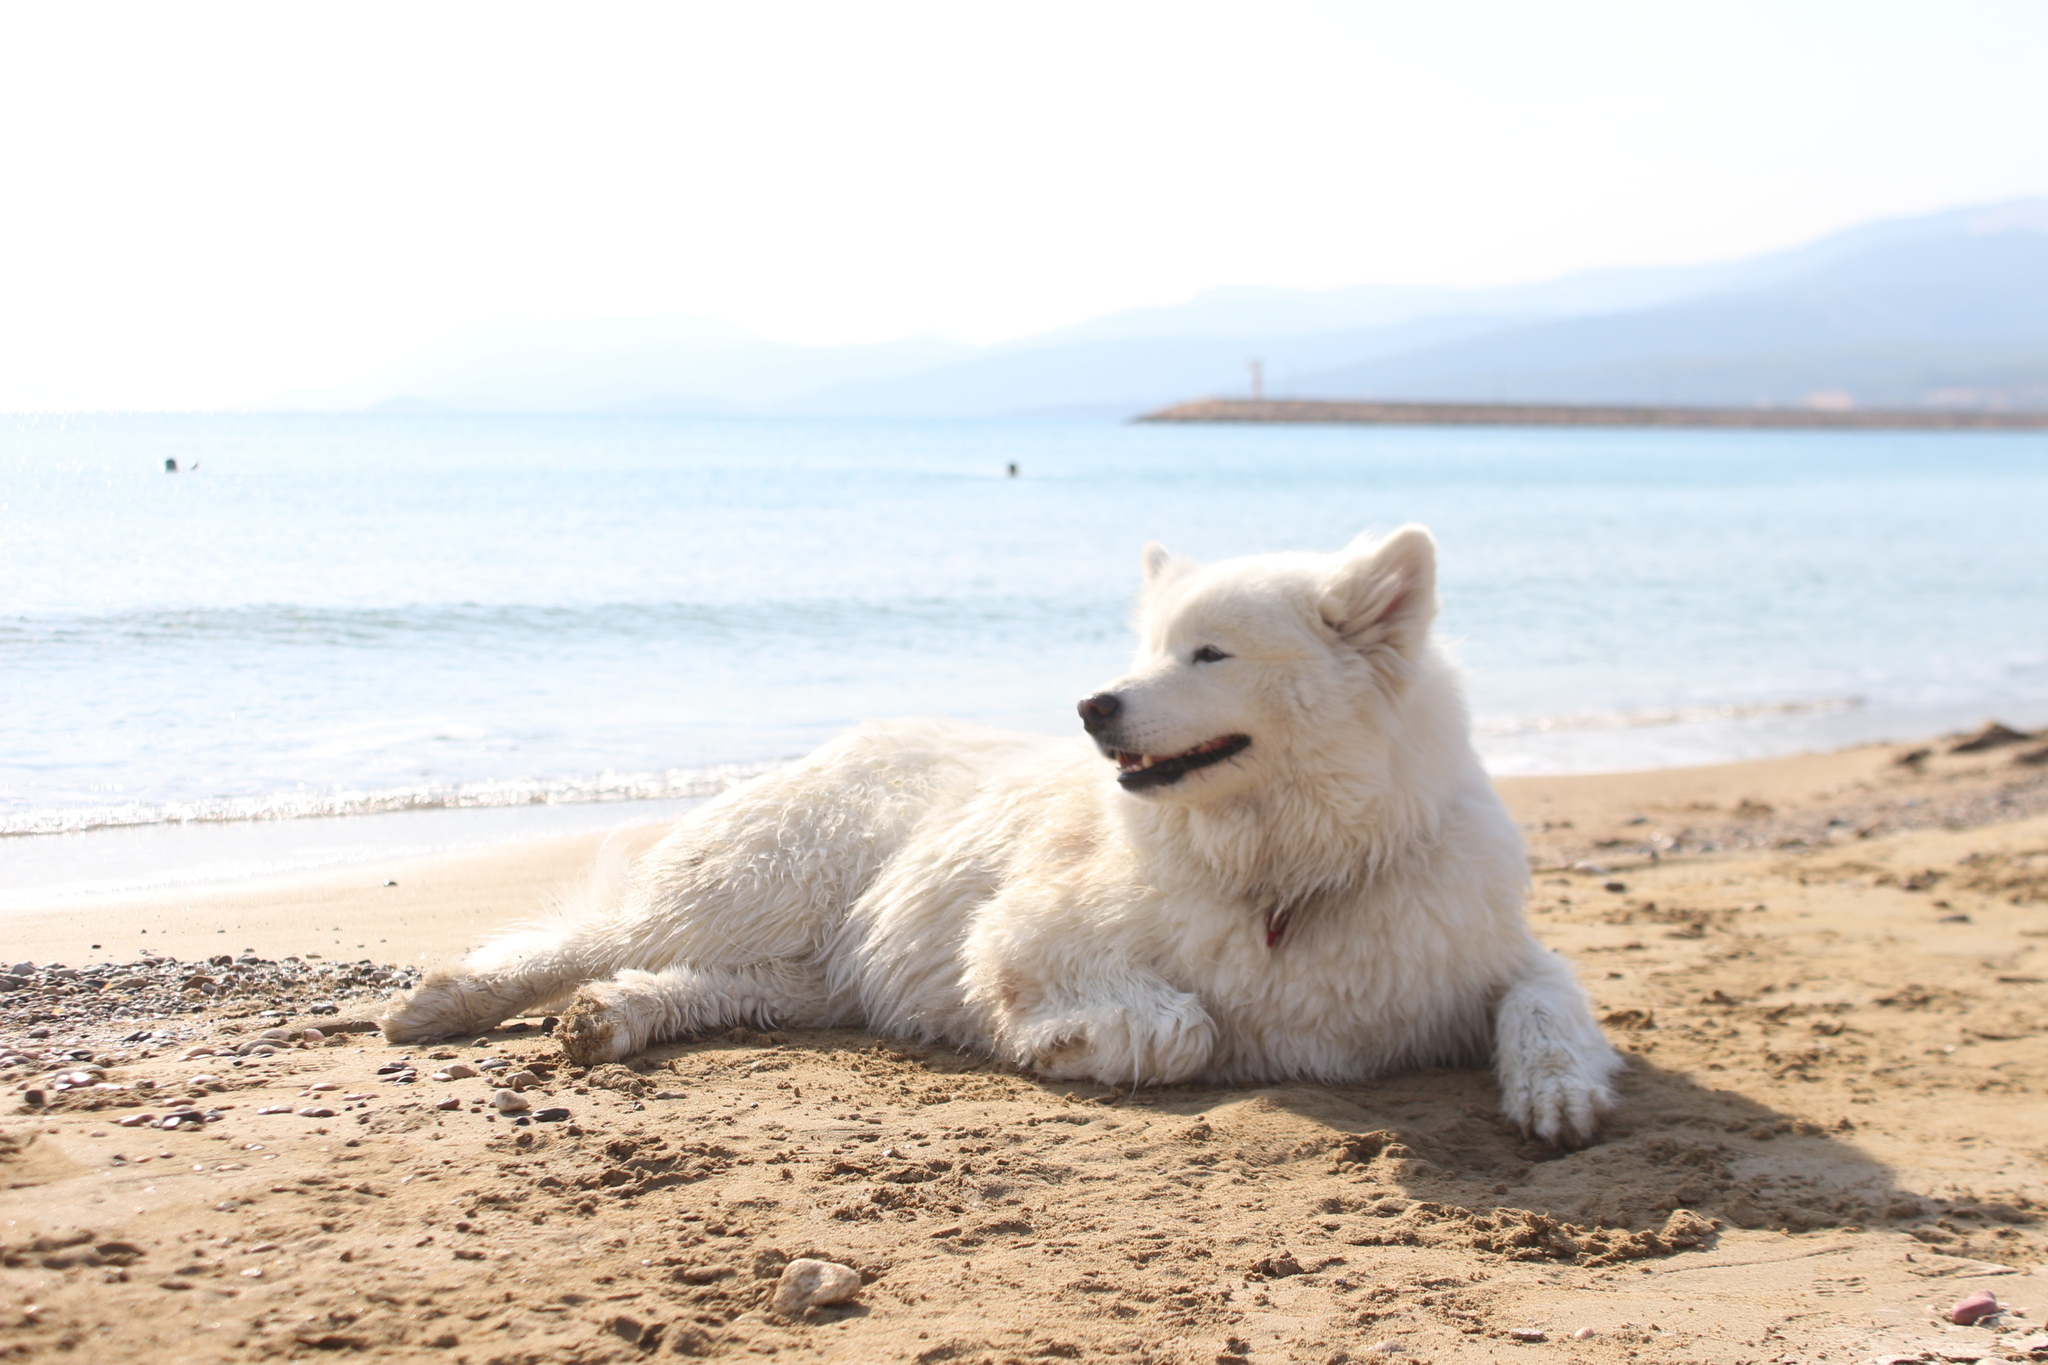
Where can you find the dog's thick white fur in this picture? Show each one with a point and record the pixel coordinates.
(1279, 859)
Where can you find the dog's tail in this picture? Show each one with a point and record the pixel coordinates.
(573, 904)
(596, 894)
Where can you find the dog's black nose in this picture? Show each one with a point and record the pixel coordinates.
(1098, 711)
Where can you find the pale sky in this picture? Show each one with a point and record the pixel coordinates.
(207, 203)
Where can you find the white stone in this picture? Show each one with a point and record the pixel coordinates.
(806, 1283)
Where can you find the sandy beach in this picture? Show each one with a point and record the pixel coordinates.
(1827, 971)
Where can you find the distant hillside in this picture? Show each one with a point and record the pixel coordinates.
(1948, 309)
(1951, 321)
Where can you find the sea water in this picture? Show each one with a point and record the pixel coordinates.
(332, 616)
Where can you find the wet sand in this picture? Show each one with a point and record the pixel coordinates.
(1827, 972)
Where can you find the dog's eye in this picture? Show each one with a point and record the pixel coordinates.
(1209, 654)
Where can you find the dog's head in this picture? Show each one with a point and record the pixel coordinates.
(1272, 663)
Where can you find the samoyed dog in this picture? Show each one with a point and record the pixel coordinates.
(1274, 857)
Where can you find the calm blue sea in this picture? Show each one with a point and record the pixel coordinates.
(334, 615)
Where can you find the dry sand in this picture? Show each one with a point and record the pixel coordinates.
(1828, 973)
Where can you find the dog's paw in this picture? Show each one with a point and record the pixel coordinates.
(1125, 1047)
(594, 1028)
(1559, 1098)
(443, 1006)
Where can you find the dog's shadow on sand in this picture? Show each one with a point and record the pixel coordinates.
(1433, 1143)
(1672, 1144)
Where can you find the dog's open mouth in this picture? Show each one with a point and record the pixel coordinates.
(1136, 772)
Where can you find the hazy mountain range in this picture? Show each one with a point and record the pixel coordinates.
(1949, 309)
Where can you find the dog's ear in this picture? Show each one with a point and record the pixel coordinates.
(1384, 593)
(1162, 566)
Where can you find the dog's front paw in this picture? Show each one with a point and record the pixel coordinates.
(1559, 1097)
(1125, 1047)
(595, 1027)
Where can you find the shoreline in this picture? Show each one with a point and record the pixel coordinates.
(1403, 413)
(81, 868)
(445, 896)
(77, 859)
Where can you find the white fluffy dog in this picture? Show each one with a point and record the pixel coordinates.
(1279, 859)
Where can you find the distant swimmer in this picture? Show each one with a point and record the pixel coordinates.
(170, 466)
(1013, 471)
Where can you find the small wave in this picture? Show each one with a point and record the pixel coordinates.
(1497, 726)
(672, 784)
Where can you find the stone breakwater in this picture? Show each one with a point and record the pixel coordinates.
(1587, 415)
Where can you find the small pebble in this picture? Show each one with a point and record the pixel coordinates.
(1584, 1334)
(510, 1102)
(522, 1080)
(455, 1072)
(1528, 1334)
(452, 1102)
(1976, 1308)
(204, 1080)
(275, 1109)
(316, 1112)
(806, 1283)
(555, 1115)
